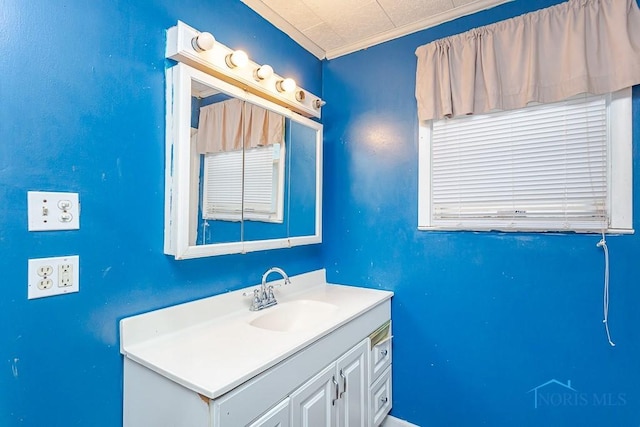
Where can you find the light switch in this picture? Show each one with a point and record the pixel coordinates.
(53, 211)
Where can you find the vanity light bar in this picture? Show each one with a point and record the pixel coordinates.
(202, 51)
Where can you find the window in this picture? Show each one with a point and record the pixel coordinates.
(263, 185)
(564, 166)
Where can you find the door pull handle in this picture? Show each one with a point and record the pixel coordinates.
(344, 383)
(337, 390)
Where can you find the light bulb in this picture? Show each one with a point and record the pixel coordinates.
(237, 59)
(264, 72)
(203, 41)
(286, 85)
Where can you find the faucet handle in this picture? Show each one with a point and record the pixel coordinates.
(284, 283)
(257, 302)
(270, 296)
(257, 298)
(251, 293)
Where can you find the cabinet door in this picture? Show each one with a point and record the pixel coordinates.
(314, 403)
(278, 416)
(353, 370)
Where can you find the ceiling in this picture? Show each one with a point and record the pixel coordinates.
(332, 28)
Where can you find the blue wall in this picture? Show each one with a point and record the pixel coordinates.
(479, 318)
(82, 110)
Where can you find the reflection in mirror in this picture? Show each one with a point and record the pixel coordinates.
(302, 186)
(242, 190)
(265, 193)
(217, 185)
(243, 174)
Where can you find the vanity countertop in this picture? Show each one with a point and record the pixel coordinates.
(209, 345)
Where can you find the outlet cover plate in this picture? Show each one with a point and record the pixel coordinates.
(40, 286)
(48, 210)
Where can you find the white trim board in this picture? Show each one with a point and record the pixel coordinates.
(390, 421)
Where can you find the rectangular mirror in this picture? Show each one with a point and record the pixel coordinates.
(242, 174)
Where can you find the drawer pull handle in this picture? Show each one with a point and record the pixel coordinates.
(384, 400)
(384, 352)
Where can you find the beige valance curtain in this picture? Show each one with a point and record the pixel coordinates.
(220, 127)
(580, 46)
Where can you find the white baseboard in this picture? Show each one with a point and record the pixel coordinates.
(390, 421)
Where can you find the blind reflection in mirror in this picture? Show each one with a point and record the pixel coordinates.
(215, 219)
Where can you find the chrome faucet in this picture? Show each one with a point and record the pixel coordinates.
(264, 297)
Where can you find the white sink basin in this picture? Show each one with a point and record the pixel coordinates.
(294, 316)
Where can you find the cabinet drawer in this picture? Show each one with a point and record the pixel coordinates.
(279, 416)
(380, 398)
(380, 357)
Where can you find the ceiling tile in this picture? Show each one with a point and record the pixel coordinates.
(366, 21)
(403, 12)
(296, 12)
(328, 10)
(324, 36)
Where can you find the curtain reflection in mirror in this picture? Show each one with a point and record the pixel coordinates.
(221, 127)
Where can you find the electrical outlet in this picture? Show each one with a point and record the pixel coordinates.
(45, 271)
(45, 284)
(47, 210)
(53, 276)
(65, 275)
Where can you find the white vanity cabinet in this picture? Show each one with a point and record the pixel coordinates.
(198, 372)
(337, 396)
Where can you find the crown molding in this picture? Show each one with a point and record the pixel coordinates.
(457, 12)
(414, 27)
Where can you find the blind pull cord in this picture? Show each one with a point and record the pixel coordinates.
(603, 244)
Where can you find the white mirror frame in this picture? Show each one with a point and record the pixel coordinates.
(179, 168)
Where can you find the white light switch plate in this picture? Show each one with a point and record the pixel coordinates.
(53, 276)
(53, 211)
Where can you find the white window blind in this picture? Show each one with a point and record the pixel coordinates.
(223, 184)
(545, 167)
